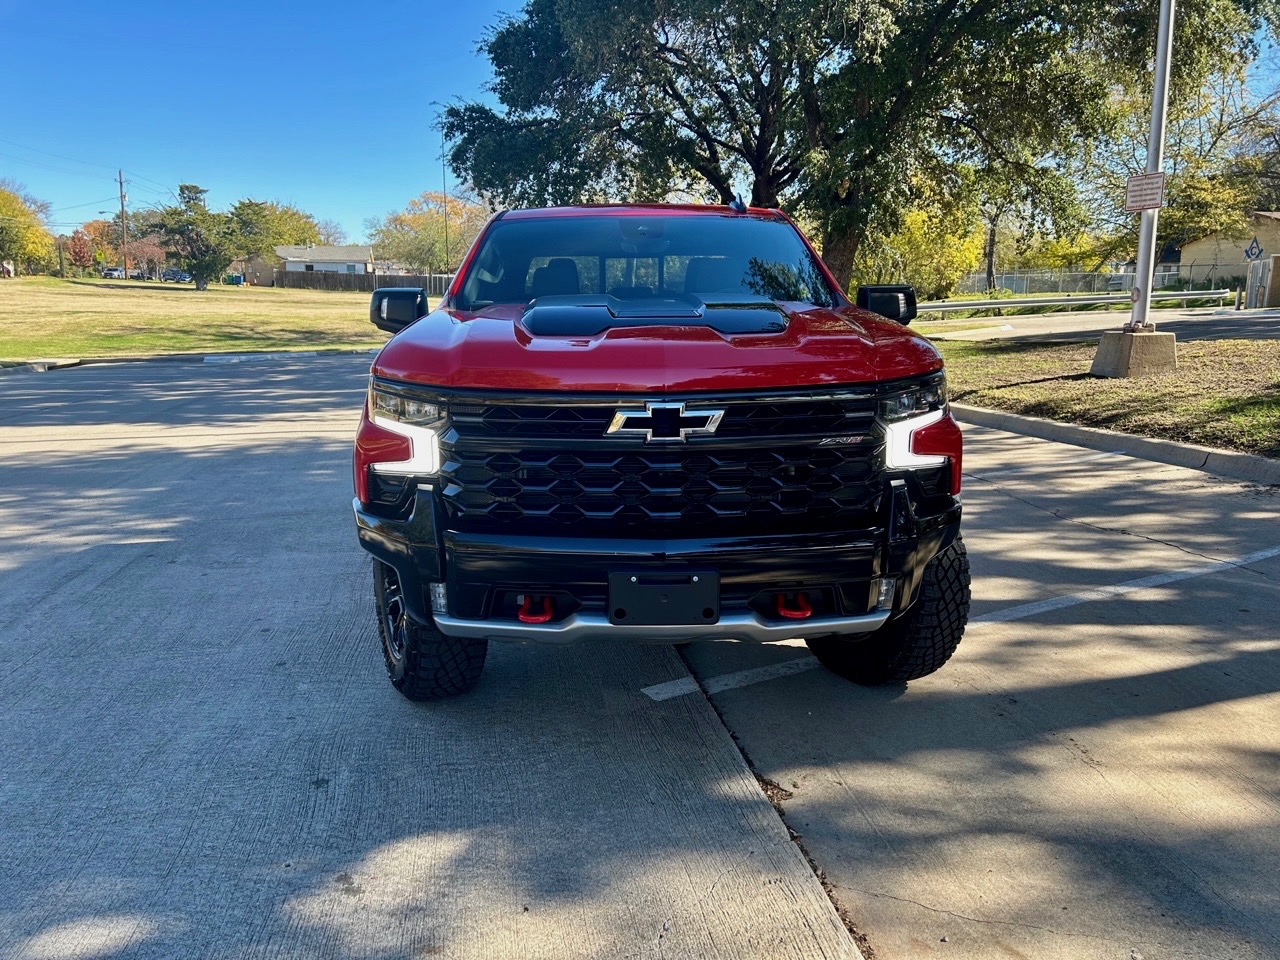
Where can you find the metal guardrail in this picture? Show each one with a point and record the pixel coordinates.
(946, 306)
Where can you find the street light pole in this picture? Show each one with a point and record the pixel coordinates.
(1145, 270)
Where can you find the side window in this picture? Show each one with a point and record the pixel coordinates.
(488, 280)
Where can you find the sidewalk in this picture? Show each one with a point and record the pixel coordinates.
(1203, 323)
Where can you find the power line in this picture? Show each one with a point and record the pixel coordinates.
(77, 206)
(49, 166)
(49, 153)
(92, 163)
(138, 176)
(43, 223)
(139, 186)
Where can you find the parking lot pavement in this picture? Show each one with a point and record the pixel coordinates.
(200, 755)
(1096, 772)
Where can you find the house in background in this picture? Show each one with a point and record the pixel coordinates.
(347, 259)
(1223, 257)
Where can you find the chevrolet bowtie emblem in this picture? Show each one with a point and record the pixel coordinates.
(660, 422)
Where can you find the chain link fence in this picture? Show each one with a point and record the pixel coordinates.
(1168, 276)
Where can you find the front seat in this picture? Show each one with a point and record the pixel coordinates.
(558, 278)
(706, 275)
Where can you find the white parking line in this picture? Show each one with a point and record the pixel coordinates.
(731, 681)
(1022, 611)
(672, 688)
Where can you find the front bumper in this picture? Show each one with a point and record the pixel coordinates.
(578, 627)
(485, 573)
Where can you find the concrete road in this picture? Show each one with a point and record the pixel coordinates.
(1096, 773)
(1206, 323)
(200, 756)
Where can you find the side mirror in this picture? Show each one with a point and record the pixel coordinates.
(893, 301)
(394, 308)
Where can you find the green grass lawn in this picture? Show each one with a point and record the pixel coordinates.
(1225, 393)
(44, 317)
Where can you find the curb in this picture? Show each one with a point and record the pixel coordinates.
(39, 366)
(44, 366)
(961, 334)
(1222, 463)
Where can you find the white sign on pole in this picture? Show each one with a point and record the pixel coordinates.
(1144, 192)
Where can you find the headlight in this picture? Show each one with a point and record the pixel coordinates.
(409, 418)
(922, 398)
(402, 409)
(919, 432)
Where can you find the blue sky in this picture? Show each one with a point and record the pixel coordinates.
(327, 105)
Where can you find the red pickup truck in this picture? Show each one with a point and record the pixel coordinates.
(663, 424)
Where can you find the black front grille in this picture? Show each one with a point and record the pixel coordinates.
(795, 488)
(773, 464)
(530, 420)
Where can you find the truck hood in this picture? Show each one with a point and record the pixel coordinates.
(494, 350)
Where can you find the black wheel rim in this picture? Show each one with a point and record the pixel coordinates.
(394, 615)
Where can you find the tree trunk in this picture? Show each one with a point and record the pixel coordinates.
(838, 251)
(990, 254)
(202, 283)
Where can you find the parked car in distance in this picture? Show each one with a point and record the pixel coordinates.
(113, 273)
(138, 275)
(171, 274)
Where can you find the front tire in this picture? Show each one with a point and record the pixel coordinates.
(422, 663)
(916, 643)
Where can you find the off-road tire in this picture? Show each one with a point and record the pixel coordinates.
(422, 663)
(914, 644)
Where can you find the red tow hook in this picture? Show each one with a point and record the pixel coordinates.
(528, 616)
(801, 611)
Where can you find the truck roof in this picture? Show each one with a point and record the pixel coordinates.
(640, 209)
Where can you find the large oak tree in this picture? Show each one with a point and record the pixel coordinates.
(835, 107)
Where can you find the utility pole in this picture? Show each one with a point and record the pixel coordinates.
(1145, 270)
(124, 227)
(444, 186)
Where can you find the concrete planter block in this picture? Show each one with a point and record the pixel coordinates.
(1123, 354)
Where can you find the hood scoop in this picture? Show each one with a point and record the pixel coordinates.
(585, 315)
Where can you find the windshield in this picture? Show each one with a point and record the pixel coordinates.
(715, 258)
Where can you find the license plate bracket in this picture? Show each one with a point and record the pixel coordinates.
(664, 598)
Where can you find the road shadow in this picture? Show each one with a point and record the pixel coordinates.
(202, 756)
(1098, 777)
(185, 392)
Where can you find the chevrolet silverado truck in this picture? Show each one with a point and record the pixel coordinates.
(657, 424)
